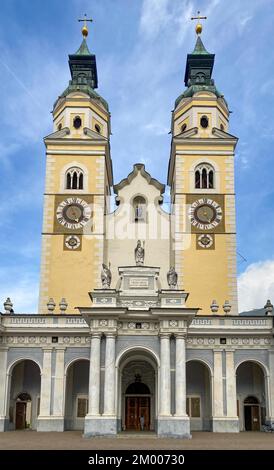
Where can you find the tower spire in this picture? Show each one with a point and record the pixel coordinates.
(83, 68)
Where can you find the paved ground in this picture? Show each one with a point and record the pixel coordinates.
(72, 440)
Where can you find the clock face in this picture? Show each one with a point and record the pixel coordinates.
(73, 213)
(205, 214)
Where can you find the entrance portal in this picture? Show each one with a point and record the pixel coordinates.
(23, 411)
(137, 392)
(137, 407)
(252, 414)
(251, 396)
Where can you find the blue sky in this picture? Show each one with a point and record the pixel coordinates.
(141, 48)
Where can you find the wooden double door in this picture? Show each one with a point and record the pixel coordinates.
(135, 408)
(252, 417)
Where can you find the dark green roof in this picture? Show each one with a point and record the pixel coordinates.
(84, 89)
(83, 71)
(199, 48)
(195, 89)
(83, 49)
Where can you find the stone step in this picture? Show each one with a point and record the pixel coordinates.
(137, 435)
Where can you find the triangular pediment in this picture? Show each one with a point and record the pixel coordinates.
(58, 134)
(222, 134)
(93, 134)
(187, 134)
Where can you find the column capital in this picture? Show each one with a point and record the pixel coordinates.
(110, 334)
(96, 334)
(180, 335)
(164, 334)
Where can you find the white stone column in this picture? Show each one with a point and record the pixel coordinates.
(3, 387)
(217, 396)
(165, 394)
(59, 383)
(109, 390)
(270, 394)
(231, 397)
(45, 395)
(94, 375)
(180, 376)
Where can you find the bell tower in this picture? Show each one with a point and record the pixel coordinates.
(201, 176)
(78, 181)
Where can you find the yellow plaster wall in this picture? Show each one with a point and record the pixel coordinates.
(220, 162)
(81, 103)
(206, 274)
(89, 161)
(71, 273)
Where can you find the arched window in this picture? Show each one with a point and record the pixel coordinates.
(139, 207)
(98, 128)
(204, 176)
(183, 128)
(74, 178)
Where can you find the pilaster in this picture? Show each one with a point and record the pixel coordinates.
(3, 389)
(44, 418)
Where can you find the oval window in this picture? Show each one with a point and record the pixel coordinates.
(77, 123)
(204, 122)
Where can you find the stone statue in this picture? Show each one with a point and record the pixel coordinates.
(139, 254)
(105, 277)
(172, 278)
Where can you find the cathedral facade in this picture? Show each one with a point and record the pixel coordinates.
(138, 325)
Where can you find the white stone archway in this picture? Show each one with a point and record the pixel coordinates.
(199, 394)
(23, 394)
(135, 366)
(252, 385)
(76, 393)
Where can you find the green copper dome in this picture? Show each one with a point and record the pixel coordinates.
(199, 66)
(84, 77)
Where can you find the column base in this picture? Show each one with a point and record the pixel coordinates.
(4, 424)
(269, 420)
(174, 426)
(100, 426)
(50, 424)
(224, 424)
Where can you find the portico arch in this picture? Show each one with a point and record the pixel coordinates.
(24, 394)
(137, 389)
(77, 391)
(252, 396)
(199, 393)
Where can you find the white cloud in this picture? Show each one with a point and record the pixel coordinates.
(256, 285)
(32, 79)
(156, 128)
(244, 20)
(154, 17)
(21, 287)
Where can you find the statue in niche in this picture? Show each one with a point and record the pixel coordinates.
(139, 254)
(138, 212)
(106, 276)
(172, 278)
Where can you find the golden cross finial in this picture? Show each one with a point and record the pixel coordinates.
(85, 27)
(199, 26)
